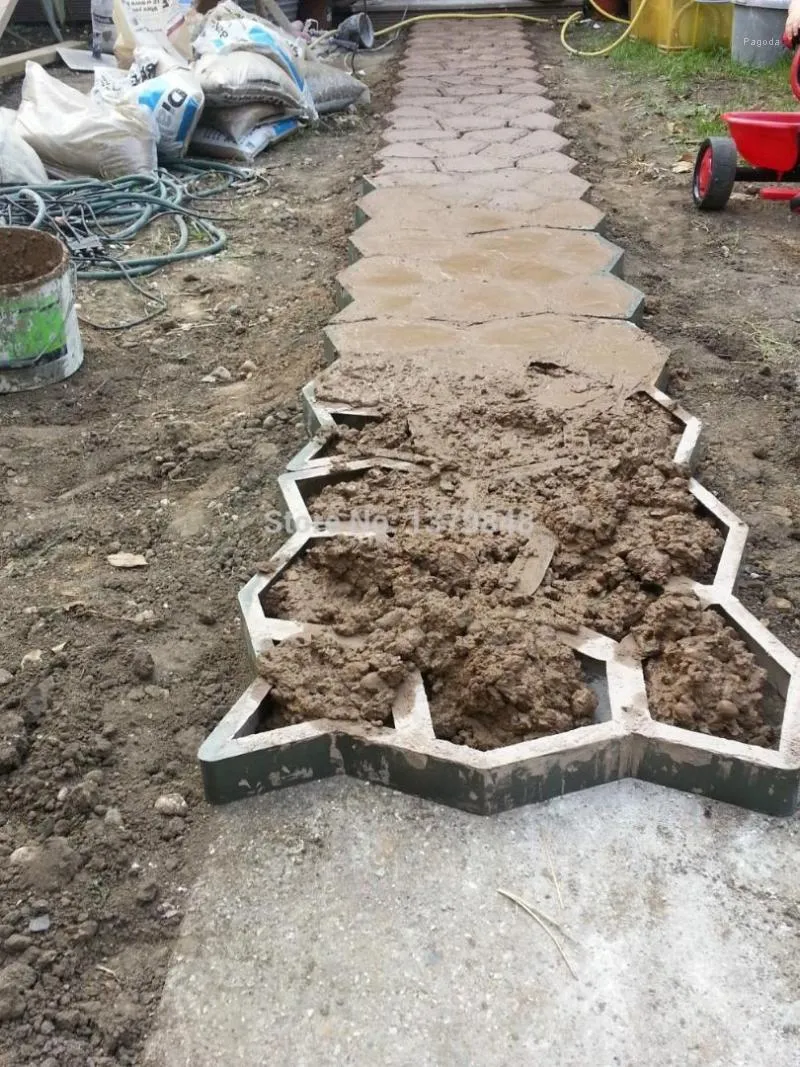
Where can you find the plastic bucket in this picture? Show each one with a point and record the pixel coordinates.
(757, 30)
(40, 342)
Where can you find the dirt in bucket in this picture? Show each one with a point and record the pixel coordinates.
(27, 256)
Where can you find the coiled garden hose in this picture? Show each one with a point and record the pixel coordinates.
(98, 220)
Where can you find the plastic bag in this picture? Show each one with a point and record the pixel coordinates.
(175, 99)
(19, 164)
(85, 136)
(159, 24)
(227, 28)
(103, 32)
(332, 89)
(237, 122)
(249, 78)
(219, 145)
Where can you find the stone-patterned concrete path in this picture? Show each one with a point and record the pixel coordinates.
(479, 273)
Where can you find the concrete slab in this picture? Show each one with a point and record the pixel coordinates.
(396, 210)
(622, 357)
(391, 287)
(340, 923)
(506, 190)
(499, 253)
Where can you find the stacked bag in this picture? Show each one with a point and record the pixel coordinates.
(225, 85)
(250, 73)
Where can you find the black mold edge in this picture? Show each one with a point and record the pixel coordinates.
(769, 789)
(235, 765)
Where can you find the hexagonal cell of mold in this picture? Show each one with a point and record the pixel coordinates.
(713, 669)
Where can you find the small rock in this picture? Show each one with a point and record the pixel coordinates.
(144, 618)
(34, 656)
(780, 603)
(13, 741)
(207, 618)
(371, 682)
(760, 452)
(143, 665)
(219, 374)
(46, 867)
(248, 367)
(86, 931)
(16, 944)
(15, 979)
(147, 891)
(39, 925)
(584, 105)
(127, 560)
(156, 692)
(171, 804)
(113, 817)
(6, 677)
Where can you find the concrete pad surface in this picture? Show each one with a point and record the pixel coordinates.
(393, 208)
(341, 923)
(614, 354)
(469, 289)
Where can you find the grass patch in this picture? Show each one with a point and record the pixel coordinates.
(684, 71)
(690, 89)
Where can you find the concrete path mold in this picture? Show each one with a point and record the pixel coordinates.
(478, 248)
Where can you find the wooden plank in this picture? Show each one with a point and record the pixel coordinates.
(7, 8)
(13, 65)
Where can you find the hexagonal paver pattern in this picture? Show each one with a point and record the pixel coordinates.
(395, 209)
(475, 286)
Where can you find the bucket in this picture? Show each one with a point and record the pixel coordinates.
(39, 338)
(757, 30)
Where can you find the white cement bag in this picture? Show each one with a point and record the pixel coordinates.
(227, 28)
(237, 122)
(249, 78)
(219, 145)
(85, 136)
(19, 164)
(160, 24)
(175, 100)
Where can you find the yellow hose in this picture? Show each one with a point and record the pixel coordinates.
(458, 15)
(609, 47)
(532, 18)
(610, 17)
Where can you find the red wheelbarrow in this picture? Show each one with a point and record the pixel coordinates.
(768, 140)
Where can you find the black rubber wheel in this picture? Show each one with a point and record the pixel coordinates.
(714, 173)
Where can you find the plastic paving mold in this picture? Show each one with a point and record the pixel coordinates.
(480, 253)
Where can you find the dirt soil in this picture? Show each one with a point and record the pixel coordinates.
(110, 678)
(450, 607)
(721, 294)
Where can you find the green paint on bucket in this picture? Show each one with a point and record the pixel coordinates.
(40, 341)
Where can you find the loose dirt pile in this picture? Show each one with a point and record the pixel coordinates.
(606, 488)
(494, 672)
(497, 470)
(700, 674)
